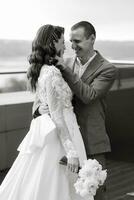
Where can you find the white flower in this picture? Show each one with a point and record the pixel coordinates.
(84, 192)
(102, 177)
(91, 176)
(85, 173)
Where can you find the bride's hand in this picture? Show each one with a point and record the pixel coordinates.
(73, 164)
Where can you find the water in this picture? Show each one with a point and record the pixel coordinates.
(13, 82)
(18, 82)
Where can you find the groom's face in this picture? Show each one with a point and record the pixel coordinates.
(80, 43)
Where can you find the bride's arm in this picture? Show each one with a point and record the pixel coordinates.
(56, 104)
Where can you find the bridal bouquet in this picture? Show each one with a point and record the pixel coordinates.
(91, 176)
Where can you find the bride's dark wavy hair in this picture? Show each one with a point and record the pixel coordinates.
(43, 51)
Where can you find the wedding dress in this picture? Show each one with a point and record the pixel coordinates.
(36, 173)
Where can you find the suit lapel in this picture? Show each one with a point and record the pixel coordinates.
(93, 66)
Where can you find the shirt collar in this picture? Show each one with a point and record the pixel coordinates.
(87, 63)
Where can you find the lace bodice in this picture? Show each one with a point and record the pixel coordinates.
(52, 90)
(52, 77)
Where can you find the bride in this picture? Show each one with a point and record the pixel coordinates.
(36, 173)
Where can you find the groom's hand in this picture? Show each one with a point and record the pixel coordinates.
(60, 63)
(43, 109)
(73, 164)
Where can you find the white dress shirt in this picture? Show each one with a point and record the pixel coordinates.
(79, 68)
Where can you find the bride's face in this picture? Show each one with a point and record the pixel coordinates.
(60, 46)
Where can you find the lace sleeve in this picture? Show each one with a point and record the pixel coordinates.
(56, 103)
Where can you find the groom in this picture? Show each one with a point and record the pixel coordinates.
(90, 76)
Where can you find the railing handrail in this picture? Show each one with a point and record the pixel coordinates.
(122, 62)
(13, 72)
(115, 62)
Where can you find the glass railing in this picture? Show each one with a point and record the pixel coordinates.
(16, 80)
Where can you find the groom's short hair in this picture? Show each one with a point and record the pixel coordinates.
(88, 27)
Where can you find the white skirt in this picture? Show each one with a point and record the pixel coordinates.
(36, 173)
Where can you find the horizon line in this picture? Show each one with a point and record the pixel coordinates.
(117, 40)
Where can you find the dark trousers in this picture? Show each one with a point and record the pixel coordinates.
(101, 192)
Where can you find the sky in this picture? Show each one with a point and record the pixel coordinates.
(113, 19)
